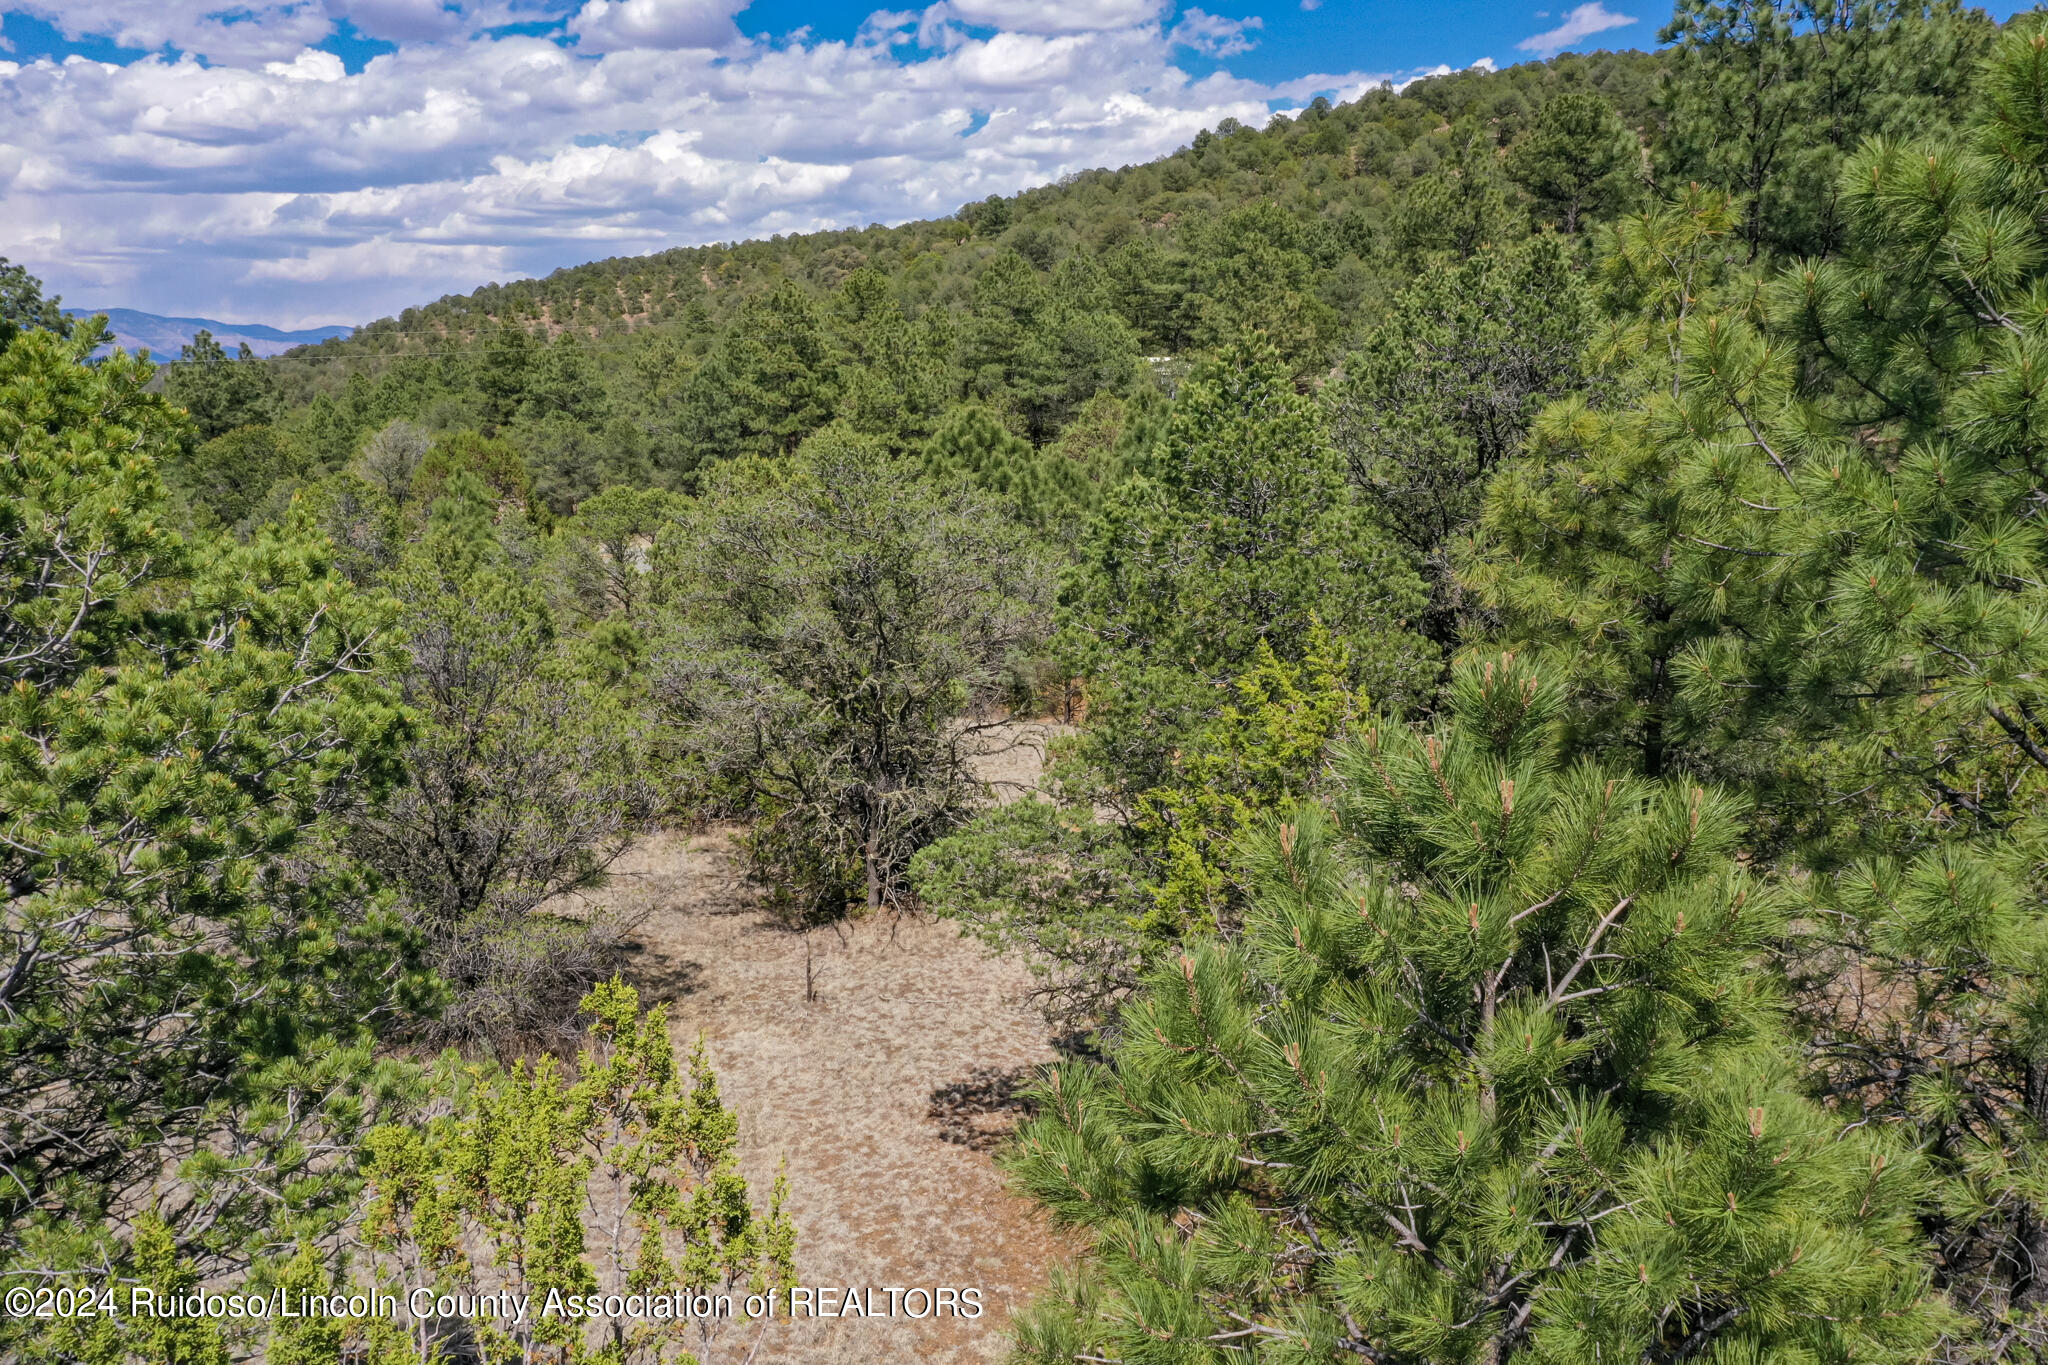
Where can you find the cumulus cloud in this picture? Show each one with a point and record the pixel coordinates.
(1055, 16)
(261, 30)
(1214, 36)
(309, 65)
(276, 185)
(624, 25)
(1579, 25)
(402, 21)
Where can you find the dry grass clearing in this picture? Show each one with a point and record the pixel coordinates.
(883, 1093)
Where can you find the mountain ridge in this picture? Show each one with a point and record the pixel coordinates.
(1334, 169)
(162, 336)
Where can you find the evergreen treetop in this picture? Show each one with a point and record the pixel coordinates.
(1805, 548)
(1243, 529)
(1490, 1075)
(191, 987)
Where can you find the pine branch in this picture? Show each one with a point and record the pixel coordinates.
(1695, 1341)
(1586, 953)
(2019, 735)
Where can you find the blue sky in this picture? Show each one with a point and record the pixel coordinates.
(310, 161)
(1290, 37)
(1335, 34)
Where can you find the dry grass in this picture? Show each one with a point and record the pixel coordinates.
(1012, 757)
(873, 1092)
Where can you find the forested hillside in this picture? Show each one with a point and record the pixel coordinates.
(645, 369)
(1540, 579)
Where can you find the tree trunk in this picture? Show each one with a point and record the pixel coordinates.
(2030, 1282)
(874, 870)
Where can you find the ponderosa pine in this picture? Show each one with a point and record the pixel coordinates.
(1441, 391)
(1241, 528)
(192, 987)
(1804, 557)
(1492, 1074)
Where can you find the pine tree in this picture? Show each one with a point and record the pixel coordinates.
(1253, 269)
(1803, 556)
(1766, 98)
(896, 376)
(1901, 610)
(1575, 158)
(770, 382)
(1042, 348)
(1922, 985)
(221, 392)
(504, 369)
(191, 981)
(1441, 392)
(1045, 490)
(1243, 530)
(228, 478)
(23, 306)
(1490, 1074)
(1002, 345)
(1805, 546)
(1578, 552)
(564, 381)
(573, 460)
(1458, 208)
(1152, 286)
(492, 460)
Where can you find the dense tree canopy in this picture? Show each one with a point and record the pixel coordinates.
(839, 633)
(1242, 528)
(189, 978)
(1488, 1076)
(1534, 583)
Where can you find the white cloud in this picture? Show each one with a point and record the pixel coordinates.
(1214, 36)
(1055, 16)
(309, 65)
(621, 25)
(275, 185)
(260, 30)
(401, 21)
(243, 31)
(378, 258)
(1579, 25)
(888, 27)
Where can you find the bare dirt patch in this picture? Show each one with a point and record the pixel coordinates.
(884, 1094)
(1012, 757)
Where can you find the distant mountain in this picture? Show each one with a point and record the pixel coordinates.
(164, 336)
